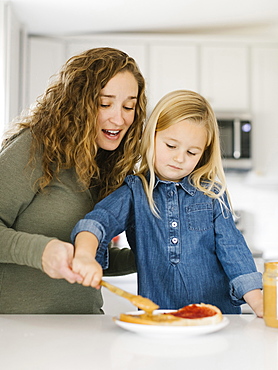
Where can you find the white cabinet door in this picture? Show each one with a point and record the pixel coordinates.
(172, 67)
(46, 57)
(264, 109)
(136, 49)
(225, 77)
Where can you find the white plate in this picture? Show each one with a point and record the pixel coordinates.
(162, 330)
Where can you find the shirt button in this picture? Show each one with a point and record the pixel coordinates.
(174, 224)
(175, 240)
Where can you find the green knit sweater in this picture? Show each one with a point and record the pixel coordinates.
(28, 221)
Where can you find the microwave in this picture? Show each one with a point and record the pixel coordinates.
(235, 140)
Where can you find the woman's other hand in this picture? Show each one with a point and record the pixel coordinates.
(57, 261)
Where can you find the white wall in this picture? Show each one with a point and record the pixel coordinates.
(2, 67)
(12, 65)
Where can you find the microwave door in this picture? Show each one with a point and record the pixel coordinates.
(237, 140)
(226, 128)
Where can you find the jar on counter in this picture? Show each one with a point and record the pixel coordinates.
(270, 294)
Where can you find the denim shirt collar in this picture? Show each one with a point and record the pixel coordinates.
(184, 183)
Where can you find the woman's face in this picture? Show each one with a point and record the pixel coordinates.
(117, 110)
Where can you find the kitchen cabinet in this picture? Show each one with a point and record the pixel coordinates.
(46, 56)
(225, 76)
(264, 102)
(218, 71)
(235, 76)
(135, 48)
(172, 66)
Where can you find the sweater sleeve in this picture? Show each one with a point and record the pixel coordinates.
(122, 262)
(16, 194)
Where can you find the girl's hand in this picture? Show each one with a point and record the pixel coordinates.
(255, 300)
(57, 259)
(89, 269)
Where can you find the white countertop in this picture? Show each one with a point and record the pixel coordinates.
(67, 342)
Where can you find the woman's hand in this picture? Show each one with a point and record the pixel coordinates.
(57, 261)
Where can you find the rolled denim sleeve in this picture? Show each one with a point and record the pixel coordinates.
(243, 284)
(87, 225)
(95, 228)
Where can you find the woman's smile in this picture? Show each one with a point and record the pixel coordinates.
(111, 134)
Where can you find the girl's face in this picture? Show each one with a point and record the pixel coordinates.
(178, 149)
(117, 110)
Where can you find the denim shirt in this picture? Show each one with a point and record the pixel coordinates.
(192, 253)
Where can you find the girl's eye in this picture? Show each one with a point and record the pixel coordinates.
(170, 146)
(190, 153)
(104, 105)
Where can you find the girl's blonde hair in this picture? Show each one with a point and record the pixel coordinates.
(208, 176)
(63, 122)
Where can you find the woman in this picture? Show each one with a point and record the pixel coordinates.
(74, 148)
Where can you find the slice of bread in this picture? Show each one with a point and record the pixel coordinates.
(194, 314)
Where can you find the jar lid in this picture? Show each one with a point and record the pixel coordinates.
(271, 266)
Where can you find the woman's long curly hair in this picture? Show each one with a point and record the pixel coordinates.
(63, 122)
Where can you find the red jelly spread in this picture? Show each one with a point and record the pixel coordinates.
(194, 312)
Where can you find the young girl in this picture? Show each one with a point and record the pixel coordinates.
(177, 216)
